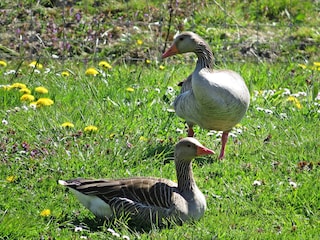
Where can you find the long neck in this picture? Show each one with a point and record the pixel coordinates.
(205, 56)
(185, 176)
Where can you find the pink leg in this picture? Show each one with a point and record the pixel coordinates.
(190, 132)
(224, 140)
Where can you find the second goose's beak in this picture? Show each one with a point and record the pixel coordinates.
(173, 50)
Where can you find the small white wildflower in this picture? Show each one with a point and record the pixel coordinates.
(116, 234)
(125, 237)
(157, 90)
(78, 229)
(257, 183)
(293, 184)
(283, 116)
(24, 107)
(55, 56)
(286, 92)
(33, 106)
(170, 110)
(258, 127)
(10, 72)
(178, 130)
(170, 90)
(239, 131)
(111, 230)
(47, 70)
(267, 93)
(259, 109)
(232, 135)
(37, 71)
(136, 28)
(83, 237)
(4, 122)
(211, 132)
(268, 111)
(16, 109)
(218, 134)
(302, 94)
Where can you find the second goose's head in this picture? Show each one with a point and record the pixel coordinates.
(183, 43)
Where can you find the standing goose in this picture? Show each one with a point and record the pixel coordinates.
(212, 99)
(148, 200)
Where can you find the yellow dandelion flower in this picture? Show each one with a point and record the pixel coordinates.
(42, 90)
(65, 74)
(91, 71)
(295, 101)
(139, 42)
(27, 97)
(35, 64)
(317, 64)
(10, 179)
(18, 85)
(44, 102)
(3, 64)
(90, 128)
(298, 105)
(45, 213)
(161, 67)
(129, 89)
(302, 66)
(105, 64)
(142, 138)
(67, 125)
(25, 90)
(292, 99)
(148, 61)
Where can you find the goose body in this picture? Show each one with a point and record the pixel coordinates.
(212, 99)
(147, 200)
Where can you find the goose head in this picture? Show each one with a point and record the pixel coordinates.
(189, 148)
(183, 43)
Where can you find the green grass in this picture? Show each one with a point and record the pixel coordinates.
(237, 209)
(136, 133)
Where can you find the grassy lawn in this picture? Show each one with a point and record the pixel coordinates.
(266, 188)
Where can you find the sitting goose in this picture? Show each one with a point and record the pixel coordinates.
(148, 200)
(212, 99)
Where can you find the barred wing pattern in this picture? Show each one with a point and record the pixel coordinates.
(144, 199)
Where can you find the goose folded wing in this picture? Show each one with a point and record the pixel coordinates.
(147, 191)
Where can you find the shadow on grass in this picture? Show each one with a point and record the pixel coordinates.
(95, 224)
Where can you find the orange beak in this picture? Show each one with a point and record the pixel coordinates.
(171, 51)
(204, 151)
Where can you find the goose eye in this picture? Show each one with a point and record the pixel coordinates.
(181, 39)
(189, 145)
